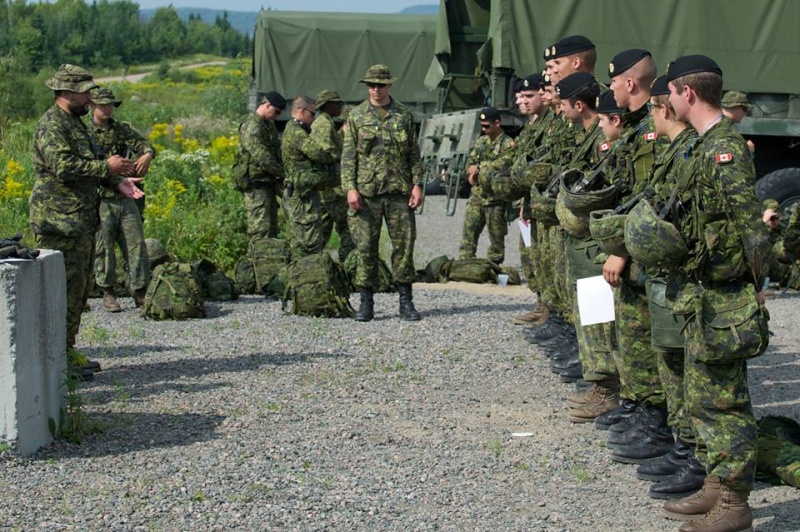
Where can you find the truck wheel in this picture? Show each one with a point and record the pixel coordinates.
(781, 185)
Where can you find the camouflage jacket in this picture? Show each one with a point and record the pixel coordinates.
(492, 156)
(260, 145)
(64, 200)
(305, 160)
(587, 152)
(631, 167)
(118, 138)
(717, 211)
(324, 132)
(381, 156)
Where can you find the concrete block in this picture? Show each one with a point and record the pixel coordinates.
(33, 331)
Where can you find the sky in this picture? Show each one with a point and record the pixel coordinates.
(353, 6)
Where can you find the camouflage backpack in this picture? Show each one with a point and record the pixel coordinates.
(318, 286)
(173, 294)
(434, 270)
(472, 271)
(385, 277)
(778, 451)
(214, 284)
(265, 259)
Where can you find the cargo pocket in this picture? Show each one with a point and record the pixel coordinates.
(734, 330)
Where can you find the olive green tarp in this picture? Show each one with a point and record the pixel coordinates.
(301, 53)
(756, 42)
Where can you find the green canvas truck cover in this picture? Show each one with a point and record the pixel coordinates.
(755, 42)
(301, 53)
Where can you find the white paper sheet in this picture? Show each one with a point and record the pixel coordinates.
(525, 231)
(595, 301)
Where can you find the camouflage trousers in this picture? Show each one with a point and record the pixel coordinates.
(334, 214)
(78, 258)
(542, 264)
(636, 359)
(261, 209)
(671, 373)
(121, 224)
(476, 217)
(718, 400)
(560, 280)
(595, 342)
(365, 226)
(526, 260)
(305, 222)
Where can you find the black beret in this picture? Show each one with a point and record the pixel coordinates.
(518, 86)
(532, 82)
(490, 114)
(275, 99)
(624, 60)
(569, 45)
(692, 64)
(607, 105)
(546, 79)
(572, 84)
(660, 86)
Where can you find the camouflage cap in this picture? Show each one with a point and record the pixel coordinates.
(104, 96)
(735, 99)
(325, 96)
(71, 78)
(771, 204)
(378, 74)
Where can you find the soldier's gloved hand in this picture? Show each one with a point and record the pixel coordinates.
(10, 248)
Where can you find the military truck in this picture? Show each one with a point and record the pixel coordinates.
(298, 53)
(483, 45)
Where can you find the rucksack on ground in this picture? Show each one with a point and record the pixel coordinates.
(173, 294)
(434, 270)
(472, 271)
(265, 259)
(317, 286)
(385, 282)
(214, 284)
(514, 278)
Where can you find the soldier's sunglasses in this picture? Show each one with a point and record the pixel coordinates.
(376, 85)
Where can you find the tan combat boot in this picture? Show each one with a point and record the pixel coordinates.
(731, 514)
(579, 398)
(138, 297)
(602, 397)
(534, 317)
(110, 303)
(697, 505)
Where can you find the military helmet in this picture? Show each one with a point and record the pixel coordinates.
(582, 203)
(504, 186)
(543, 208)
(156, 251)
(608, 229)
(577, 226)
(652, 241)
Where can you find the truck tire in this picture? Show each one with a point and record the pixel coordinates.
(781, 185)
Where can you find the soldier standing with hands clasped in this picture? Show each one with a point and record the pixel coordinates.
(382, 173)
(64, 201)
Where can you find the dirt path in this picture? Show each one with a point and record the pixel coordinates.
(134, 78)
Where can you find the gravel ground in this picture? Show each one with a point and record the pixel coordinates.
(255, 420)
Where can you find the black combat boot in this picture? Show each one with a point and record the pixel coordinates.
(407, 310)
(366, 309)
(686, 481)
(666, 466)
(618, 415)
(653, 420)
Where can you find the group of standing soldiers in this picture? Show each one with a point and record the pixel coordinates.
(647, 184)
(354, 178)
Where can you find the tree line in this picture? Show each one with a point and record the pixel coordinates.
(37, 37)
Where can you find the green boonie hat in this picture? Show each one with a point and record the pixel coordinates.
(155, 250)
(326, 96)
(652, 241)
(71, 78)
(608, 229)
(577, 226)
(770, 204)
(378, 74)
(104, 96)
(736, 99)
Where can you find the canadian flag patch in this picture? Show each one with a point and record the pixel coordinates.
(724, 157)
(605, 146)
(650, 136)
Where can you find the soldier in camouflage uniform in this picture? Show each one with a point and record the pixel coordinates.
(260, 152)
(64, 201)
(334, 203)
(492, 152)
(120, 219)
(632, 73)
(382, 174)
(723, 271)
(306, 164)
